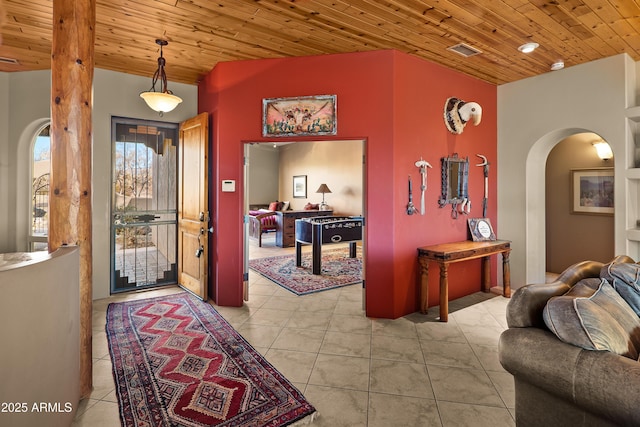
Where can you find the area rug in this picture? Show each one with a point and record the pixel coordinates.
(177, 362)
(337, 270)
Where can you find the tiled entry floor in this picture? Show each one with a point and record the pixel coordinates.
(357, 371)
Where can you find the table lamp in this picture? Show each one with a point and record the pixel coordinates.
(323, 189)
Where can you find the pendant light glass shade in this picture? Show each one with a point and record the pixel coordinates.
(163, 101)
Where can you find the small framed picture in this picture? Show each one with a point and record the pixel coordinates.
(592, 191)
(481, 229)
(300, 186)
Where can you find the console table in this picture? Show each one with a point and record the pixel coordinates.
(286, 225)
(448, 253)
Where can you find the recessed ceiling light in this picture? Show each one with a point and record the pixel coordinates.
(528, 47)
(558, 65)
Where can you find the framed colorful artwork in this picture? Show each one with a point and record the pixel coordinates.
(592, 191)
(309, 115)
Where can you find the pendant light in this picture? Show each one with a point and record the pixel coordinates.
(163, 101)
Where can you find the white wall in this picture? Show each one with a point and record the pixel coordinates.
(41, 353)
(115, 94)
(262, 185)
(29, 94)
(335, 163)
(4, 159)
(535, 114)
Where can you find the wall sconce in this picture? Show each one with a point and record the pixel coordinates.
(603, 149)
(323, 189)
(163, 101)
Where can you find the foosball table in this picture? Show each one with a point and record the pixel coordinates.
(324, 230)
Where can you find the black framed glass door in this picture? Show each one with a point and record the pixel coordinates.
(143, 208)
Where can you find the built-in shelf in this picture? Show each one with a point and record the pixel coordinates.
(633, 234)
(633, 113)
(632, 176)
(633, 173)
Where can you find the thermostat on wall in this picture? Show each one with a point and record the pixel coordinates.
(228, 185)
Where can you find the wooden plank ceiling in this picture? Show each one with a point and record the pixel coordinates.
(202, 33)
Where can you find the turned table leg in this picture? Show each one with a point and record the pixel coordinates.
(486, 274)
(444, 292)
(506, 274)
(424, 285)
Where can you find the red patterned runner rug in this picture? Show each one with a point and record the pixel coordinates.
(177, 362)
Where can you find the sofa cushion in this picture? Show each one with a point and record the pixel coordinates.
(602, 321)
(625, 278)
(585, 287)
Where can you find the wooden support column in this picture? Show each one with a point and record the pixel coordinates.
(72, 61)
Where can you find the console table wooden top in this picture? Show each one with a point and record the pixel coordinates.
(447, 253)
(463, 251)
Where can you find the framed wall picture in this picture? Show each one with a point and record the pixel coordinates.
(300, 186)
(308, 115)
(592, 191)
(481, 229)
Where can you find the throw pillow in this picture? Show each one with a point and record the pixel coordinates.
(285, 206)
(625, 278)
(273, 206)
(602, 321)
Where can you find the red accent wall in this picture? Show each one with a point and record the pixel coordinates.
(395, 102)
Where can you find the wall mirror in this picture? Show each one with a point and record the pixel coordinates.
(455, 175)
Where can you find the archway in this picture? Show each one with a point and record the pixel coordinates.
(579, 198)
(535, 202)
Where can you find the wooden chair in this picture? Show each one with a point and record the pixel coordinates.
(261, 222)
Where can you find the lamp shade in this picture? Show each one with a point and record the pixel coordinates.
(323, 189)
(161, 102)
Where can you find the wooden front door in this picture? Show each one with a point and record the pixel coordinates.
(193, 205)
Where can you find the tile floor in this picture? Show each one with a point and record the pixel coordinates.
(356, 371)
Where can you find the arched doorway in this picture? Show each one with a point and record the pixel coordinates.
(535, 221)
(579, 203)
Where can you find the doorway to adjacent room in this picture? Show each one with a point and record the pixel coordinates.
(273, 172)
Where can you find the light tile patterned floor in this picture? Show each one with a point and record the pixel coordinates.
(356, 371)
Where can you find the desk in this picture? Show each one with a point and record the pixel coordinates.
(448, 253)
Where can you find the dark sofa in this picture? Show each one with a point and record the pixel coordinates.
(582, 373)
